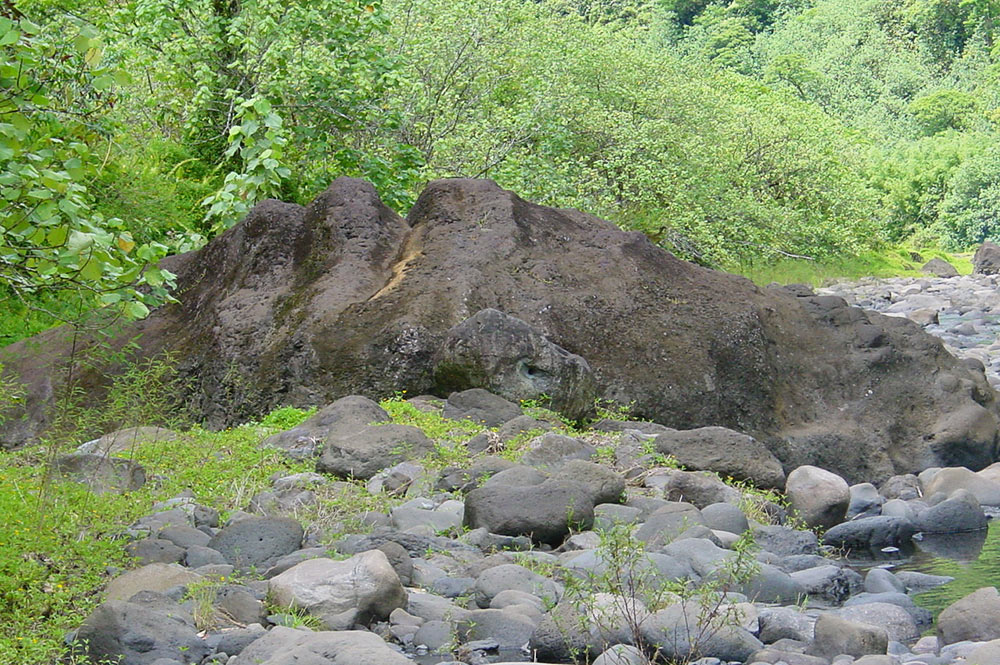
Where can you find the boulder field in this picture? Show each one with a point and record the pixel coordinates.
(555, 553)
(478, 288)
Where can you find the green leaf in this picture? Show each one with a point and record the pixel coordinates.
(10, 37)
(91, 270)
(57, 236)
(102, 82)
(137, 310)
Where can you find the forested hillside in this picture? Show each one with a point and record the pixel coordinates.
(732, 133)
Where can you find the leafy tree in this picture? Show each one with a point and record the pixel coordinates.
(269, 90)
(971, 208)
(943, 109)
(57, 93)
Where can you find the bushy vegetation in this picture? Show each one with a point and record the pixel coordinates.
(736, 134)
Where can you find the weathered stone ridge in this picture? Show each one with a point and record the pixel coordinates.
(302, 305)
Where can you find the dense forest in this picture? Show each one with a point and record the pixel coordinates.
(732, 133)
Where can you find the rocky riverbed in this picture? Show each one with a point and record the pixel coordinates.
(592, 546)
(963, 310)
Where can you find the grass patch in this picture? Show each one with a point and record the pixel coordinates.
(893, 262)
(61, 543)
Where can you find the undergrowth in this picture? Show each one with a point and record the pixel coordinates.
(61, 543)
(894, 262)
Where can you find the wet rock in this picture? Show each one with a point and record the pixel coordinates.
(951, 516)
(870, 533)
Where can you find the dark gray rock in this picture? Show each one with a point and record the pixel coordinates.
(497, 579)
(138, 634)
(185, 536)
(772, 585)
(511, 358)
(239, 603)
(233, 642)
(399, 559)
(463, 480)
(196, 557)
(480, 406)
(256, 543)
(599, 483)
(699, 488)
(725, 517)
(347, 414)
(550, 451)
(302, 304)
(829, 582)
(724, 451)
(865, 500)
(951, 516)
(986, 260)
(365, 452)
(545, 512)
(155, 550)
(939, 268)
(871, 533)
(880, 580)
(785, 541)
(777, 623)
(667, 523)
(509, 628)
(282, 646)
(646, 427)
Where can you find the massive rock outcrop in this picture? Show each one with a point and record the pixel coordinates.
(302, 305)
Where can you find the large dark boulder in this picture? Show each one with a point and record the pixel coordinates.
(986, 260)
(505, 355)
(302, 305)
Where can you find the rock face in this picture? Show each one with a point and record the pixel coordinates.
(302, 305)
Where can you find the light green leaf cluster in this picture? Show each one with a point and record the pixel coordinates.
(55, 98)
